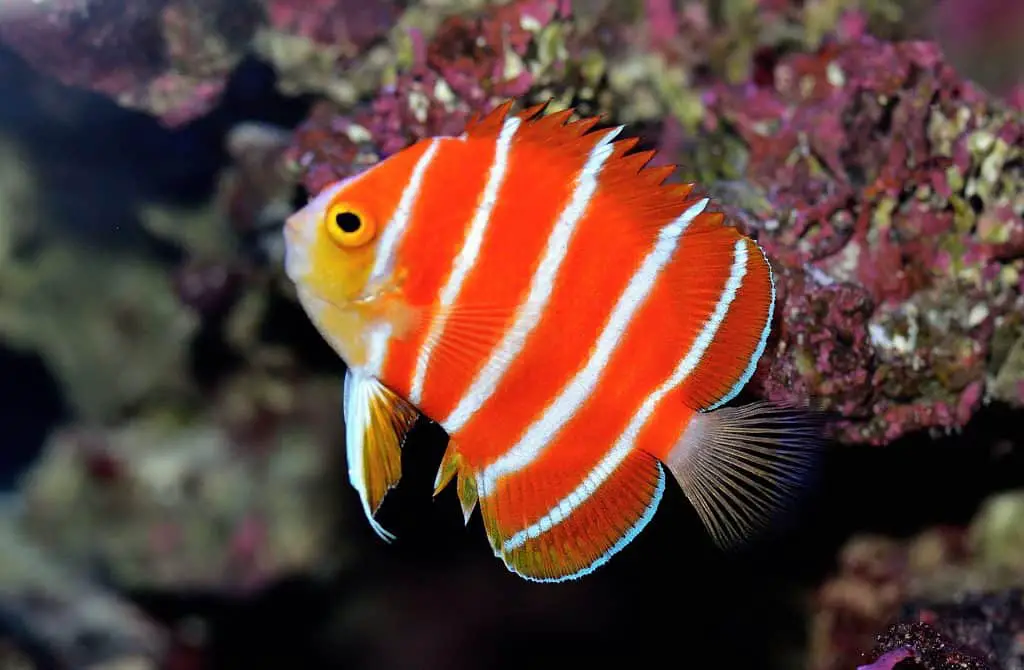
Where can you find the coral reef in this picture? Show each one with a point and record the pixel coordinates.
(888, 191)
(962, 581)
(981, 39)
(987, 626)
(978, 632)
(72, 622)
(173, 57)
(471, 64)
(145, 337)
(167, 56)
(885, 188)
(224, 504)
(885, 185)
(918, 645)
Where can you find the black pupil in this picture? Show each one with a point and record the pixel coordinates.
(347, 221)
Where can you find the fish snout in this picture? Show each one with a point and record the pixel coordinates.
(297, 239)
(296, 224)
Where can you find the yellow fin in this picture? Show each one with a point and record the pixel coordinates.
(448, 468)
(451, 465)
(376, 423)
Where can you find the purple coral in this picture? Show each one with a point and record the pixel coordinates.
(918, 645)
(889, 660)
(470, 65)
(869, 178)
(350, 25)
(170, 57)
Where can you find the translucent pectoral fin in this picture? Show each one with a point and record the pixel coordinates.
(741, 466)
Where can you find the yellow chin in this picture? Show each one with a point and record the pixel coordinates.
(348, 327)
(343, 327)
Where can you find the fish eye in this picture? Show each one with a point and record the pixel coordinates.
(348, 226)
(349, 222)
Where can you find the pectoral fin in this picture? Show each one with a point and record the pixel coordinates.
(376, 423)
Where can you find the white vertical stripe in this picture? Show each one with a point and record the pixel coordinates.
(358, 396)
(540, 434)
(626, 442)
(620, 544)
(377, 348)
(467, 256)
(378, 339)
(759, 350)
(529, 311)
(396, 227)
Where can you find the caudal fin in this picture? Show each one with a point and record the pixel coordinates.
(739, 466)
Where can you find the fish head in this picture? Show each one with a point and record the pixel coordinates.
(332, 248)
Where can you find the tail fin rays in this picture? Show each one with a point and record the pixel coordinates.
(739, 466)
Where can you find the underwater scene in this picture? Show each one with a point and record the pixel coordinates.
(486, 335)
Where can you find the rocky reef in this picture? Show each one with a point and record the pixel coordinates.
(880, 166)
(888, 190)
(951, 589)
(884, 186)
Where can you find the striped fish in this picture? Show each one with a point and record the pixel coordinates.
(572, 322)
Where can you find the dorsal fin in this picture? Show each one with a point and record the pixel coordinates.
(490, 123)
(641, 199)
(627, 173)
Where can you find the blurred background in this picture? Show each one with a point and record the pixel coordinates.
(173, 491)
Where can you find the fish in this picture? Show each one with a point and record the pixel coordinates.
(576, 324)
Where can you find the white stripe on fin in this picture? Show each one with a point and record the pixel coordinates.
(390, 240)
(627, 440)
(761, 344)
(378, 340)
(540, 434)
(466, 259)
(528, 314)
(619, 545)
(376, 422)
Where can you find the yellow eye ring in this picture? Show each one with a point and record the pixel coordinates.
(349, 226)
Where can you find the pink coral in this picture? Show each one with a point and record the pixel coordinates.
(170, 57)
(848, 146)
(889, 660)
(464, 68)
(473, 53)
(887, 210)
(351, 25)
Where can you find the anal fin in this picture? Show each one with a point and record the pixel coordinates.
(376, 423)
(452, 467)
(584, 526)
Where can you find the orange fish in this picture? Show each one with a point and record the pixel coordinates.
(571, 321)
